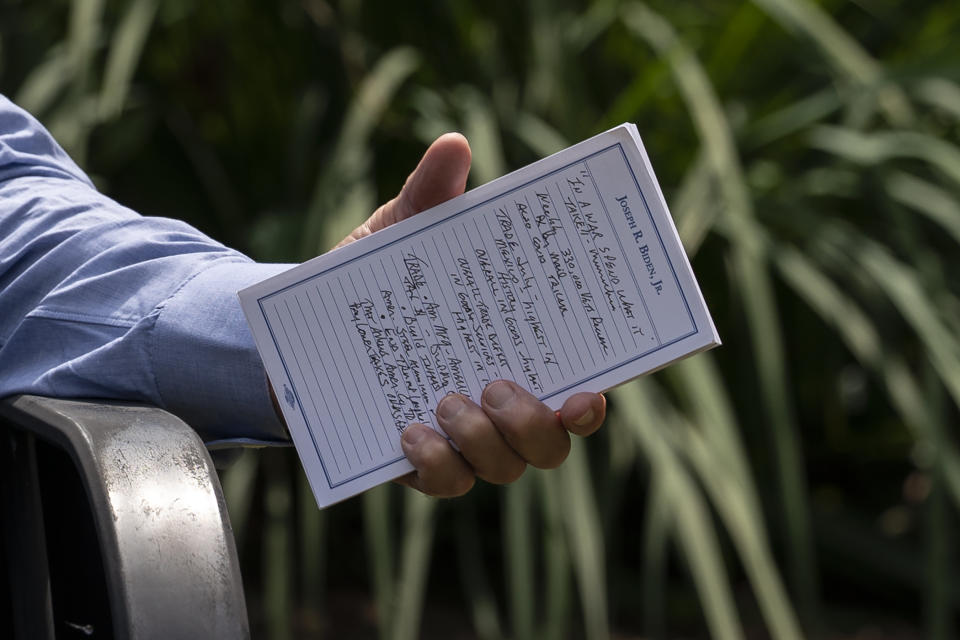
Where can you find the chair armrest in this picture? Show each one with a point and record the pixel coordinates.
(168, 552)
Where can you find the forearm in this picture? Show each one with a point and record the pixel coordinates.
(97, 301)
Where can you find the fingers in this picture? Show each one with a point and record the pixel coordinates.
(480, 442)
(583, 413)
(529, 426)
(440, 175)
(496, 439)
(440, 471)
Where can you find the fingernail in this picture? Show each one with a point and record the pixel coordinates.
(450, 407)
(585, 419)
(414, 434)
(499, 394)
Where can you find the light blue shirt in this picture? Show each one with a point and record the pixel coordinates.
(97, 301)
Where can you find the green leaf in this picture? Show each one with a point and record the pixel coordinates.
(482, 130)
(419, 526)
(939, 205)
(689, 512)
(342, 195)
(539, 136)
(474, 575)
(753, 281)
(518, 555)
(941, 93)
(380, 551)
(556, 559)
(582, 520)
(841, 50)
(124, 54)
(876, 148)
(45, 83)
(862, 338)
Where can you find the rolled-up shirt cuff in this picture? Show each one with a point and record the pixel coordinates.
(207, 367)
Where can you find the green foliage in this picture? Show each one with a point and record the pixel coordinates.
(811, 155)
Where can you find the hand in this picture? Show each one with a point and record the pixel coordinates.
(441, 175)
(510, 428)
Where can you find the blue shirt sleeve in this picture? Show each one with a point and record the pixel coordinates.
(97, 301)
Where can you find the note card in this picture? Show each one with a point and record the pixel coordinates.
(564, 276)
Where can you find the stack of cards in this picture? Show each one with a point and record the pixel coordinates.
(564, 276)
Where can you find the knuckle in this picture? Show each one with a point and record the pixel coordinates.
(522, 422)
(462, 484)
(535, 432)
(509, 471)
(449, 485)
(440, 474)
(432, 456)
(472, 428)
(552, 456)
(582, 430)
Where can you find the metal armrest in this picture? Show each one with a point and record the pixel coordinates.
(159, 520)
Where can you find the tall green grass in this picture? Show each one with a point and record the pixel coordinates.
(809, 151)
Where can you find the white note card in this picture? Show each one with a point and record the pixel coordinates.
(564, 276)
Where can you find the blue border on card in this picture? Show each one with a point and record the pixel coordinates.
(583, 160)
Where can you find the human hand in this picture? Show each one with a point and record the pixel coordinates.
(441, 175)
(510, 428)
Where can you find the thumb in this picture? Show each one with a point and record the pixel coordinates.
(441, 175)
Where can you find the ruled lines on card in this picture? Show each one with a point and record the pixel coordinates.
(550, 283)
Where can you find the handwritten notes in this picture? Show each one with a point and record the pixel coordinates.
(564, 276)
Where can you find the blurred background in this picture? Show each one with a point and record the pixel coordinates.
(801, 481)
